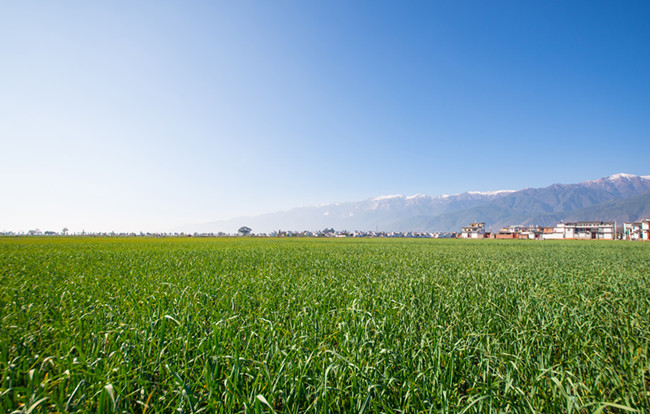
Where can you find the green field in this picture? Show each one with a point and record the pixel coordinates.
(318, 325)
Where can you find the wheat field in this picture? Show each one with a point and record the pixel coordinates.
(323, 325)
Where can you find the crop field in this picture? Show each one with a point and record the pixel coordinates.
(323, 325)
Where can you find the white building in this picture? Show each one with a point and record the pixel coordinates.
(475, 230)
(637, 231)
(557, 233)
(583, 230)
(519, 232)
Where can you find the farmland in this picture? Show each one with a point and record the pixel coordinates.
(318, 325)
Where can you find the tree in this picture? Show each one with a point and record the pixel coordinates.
(245, 231)
(64, 231)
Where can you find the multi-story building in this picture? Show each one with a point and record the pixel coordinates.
(475, 230)
(637, 231)
(519, 232)
(583, 230)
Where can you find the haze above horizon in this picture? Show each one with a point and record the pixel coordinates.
(146, 116)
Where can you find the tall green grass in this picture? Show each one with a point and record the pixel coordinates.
(313, 325)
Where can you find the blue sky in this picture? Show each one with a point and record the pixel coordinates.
(144, 116)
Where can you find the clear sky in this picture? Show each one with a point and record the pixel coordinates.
(143, 116)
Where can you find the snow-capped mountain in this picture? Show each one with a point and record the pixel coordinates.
(384, 213)
(622, 185)
(543, 206)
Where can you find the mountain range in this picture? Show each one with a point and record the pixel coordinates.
(619, 197)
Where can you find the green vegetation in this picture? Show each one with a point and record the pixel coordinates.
(317, 325)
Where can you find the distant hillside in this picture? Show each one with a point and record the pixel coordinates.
(373, 214)
(548, 205)
(626, 210)
(620, 197)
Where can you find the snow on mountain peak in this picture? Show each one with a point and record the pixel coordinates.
(387, 197)
(491, 193)
(619, 177)
(441, 196)
(400, 196)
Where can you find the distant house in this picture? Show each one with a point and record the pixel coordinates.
(474, 230)
(519, 232)
(632, 231)
(637, 231)
(505, 234)
(554, 233)
(583, 230)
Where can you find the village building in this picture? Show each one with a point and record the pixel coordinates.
(505, 233)
(583, 230)
(554, 233)
(474, 230)
(546, 230)
(632, 231)
(519, 232)
(637, 231)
